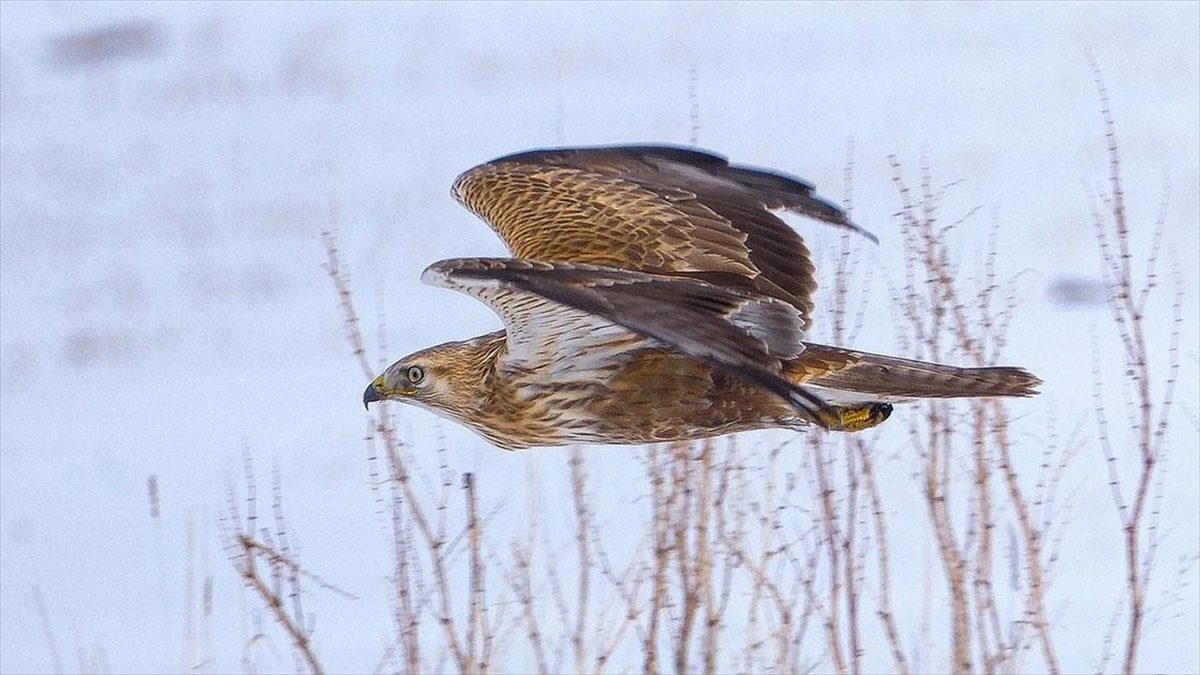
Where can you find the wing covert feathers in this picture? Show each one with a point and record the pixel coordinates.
(653, 209)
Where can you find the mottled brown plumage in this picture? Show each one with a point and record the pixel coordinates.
(652, 296)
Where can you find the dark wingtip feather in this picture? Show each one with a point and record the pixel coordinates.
(814, 207)
(853, 227)
(792, 193)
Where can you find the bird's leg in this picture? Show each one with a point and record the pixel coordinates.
(859, 417)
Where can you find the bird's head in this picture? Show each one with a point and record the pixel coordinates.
(445, 379)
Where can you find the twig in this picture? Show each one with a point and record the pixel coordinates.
(48, 629)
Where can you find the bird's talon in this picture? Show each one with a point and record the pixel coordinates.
(857, 418)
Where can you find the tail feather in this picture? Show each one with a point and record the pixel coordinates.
(890, 377)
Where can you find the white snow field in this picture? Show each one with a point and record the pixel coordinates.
(163, 307)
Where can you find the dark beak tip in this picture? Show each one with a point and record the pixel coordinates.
(370, 396)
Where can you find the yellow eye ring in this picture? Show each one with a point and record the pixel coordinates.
(415, 374)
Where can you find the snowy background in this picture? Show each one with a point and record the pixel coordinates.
(162, 304)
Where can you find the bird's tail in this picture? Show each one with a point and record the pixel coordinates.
(890, 377)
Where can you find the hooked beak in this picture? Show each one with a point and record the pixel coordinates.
(373, 392)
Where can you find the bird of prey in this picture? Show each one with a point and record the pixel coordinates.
(653, 295)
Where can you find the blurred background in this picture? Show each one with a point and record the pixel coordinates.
(166, 169)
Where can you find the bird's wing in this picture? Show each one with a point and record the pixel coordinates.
(561, 313)
(653, 209)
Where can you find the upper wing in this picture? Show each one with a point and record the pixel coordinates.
(654, 209)
(563, 313)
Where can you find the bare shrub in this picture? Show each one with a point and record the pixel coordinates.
(1147, 410)
(944, 319)
(761, 557)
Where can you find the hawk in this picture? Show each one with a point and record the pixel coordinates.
(653, 295)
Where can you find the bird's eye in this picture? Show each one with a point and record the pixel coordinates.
(415, 374)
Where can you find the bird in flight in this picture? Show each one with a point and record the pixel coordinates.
(653, 295)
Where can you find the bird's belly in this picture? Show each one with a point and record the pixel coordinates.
(656, 395)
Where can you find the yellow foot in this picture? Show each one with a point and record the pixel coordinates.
(857, 418)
